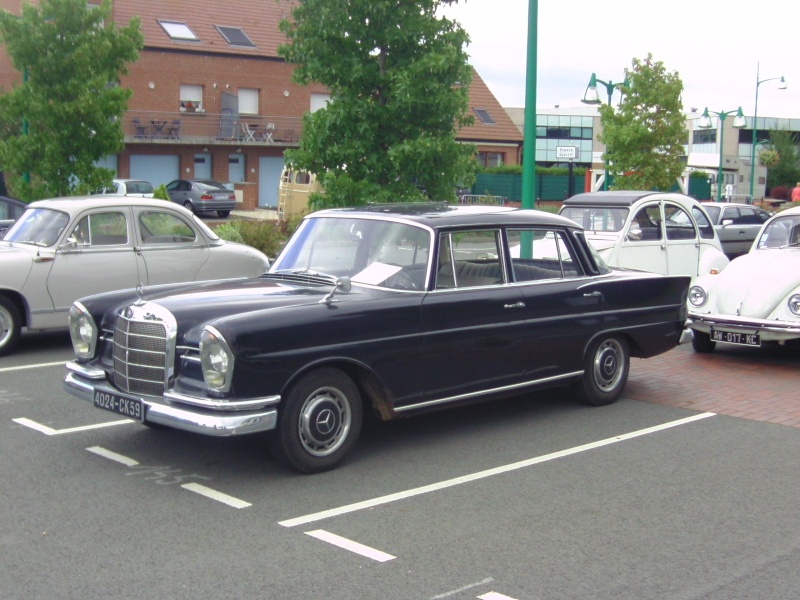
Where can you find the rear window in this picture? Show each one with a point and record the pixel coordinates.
(140, 187)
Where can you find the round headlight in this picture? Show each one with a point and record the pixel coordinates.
(794, 304)
(82, 331)
(697, 295)
(216, 359)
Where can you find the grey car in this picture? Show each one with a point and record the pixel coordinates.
(737, 225)
(202, 195)
(10, 211)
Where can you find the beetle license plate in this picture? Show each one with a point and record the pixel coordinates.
(736, 337)
(129, 407)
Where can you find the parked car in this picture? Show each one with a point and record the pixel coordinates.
(63, 249)
(202, 195)
(756, 299)
(128, 187)
(736, 224)
(10, 211)
(652, 231)
(394, 308)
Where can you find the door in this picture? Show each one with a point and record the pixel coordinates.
(269, 179)
(202, 166)
(643, 246)
(97, 257)
(683, 245)
(236, 168)
(157, 169)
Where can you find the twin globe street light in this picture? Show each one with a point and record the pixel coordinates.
(705, 123)
(781, 86)
(592, 97)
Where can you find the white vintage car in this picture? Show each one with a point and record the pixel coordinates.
(659, 232)
(756, 299)
(67, 248)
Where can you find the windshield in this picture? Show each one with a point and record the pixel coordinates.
(369, 251)
(713, 212)
(38, 226)
(783, 231)
(597, 218)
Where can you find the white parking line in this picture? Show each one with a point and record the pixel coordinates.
(494, 596)
(100, 451)
(49, 431)
(215, 495)
(434, 487)
(463, 589)
(23, 367)
(350, 545)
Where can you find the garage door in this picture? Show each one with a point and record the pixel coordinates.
(157, 169)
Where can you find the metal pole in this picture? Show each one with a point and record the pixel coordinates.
(529, 141)
(721, 152)
(755, 136)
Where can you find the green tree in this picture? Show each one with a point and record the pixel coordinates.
(66, 113)
(785, 171)
(645, 136)
(398, 78)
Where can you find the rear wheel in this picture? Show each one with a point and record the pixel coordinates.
(10, 325)
(188, 206)
(223, 213)
(701, 342)
(605, 371)
(320, 421)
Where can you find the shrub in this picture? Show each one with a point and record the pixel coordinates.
(780, 192)
(266, 236)
(161, 192)
(229, 231)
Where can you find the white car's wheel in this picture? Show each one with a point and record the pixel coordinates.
(10, 325)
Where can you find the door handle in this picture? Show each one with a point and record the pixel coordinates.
(515, 305)
(594, 294)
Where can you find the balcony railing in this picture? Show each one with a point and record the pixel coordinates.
(199, 127)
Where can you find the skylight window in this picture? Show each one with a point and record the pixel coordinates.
(178, 31)
(235, 36)
(484, 115)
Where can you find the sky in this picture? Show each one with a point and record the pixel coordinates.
(720, 49)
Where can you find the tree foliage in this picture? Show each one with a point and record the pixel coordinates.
(66, 113)
(398, 78)
(785, 150)
(645, 136)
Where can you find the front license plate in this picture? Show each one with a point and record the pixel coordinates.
(735, 337)
(130, 407)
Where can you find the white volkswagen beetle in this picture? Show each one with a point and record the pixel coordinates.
(67, 248)
(659, 232)
(756, 299)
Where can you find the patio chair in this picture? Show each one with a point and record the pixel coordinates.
(141, 130)
(247, 133)
(174, 130)
(267, 135)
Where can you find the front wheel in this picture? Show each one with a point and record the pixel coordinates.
(605, 371)
(320, 421)
(10, 325)
(701, 342)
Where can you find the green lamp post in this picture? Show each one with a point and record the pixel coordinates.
(781, 86)
(705, 123)
(592, 97)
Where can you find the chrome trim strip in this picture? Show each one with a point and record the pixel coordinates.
(183, 419)
(743, 324)
(504, 388)
(221, 405)
(84, 371)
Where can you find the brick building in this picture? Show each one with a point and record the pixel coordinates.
(212, 99)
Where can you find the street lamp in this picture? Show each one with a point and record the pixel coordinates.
(781, 86)
(705, 123)
(591, 97)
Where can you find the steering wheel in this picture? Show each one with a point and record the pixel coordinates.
(402, 280)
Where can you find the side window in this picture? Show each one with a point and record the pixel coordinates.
(679, 223)
(748, 216)
(646, 224)
(706, 228)
(164, 228)
(101, 229)
(538, 254)
(469, 259)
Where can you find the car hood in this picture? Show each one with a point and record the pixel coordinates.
(15, 264)
(753, 284)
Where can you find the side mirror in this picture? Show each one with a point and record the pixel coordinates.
(343, 283)
(726, 222)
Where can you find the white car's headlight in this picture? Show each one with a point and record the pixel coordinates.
(697, 296)
(217, 360)
(83, 331)
(794, 304)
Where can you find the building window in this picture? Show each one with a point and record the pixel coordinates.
(235, 36)
(704, 136)
(319, 101)
(484, 116)
(248, 101)
(191, 97)
(178, 31)
(490, 159)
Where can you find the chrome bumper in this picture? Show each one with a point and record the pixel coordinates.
(768, 330)
(83, 383)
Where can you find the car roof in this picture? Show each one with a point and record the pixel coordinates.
(723, 204)
(13, 201)
(624, 198)
(74, 203)
(438, 215)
